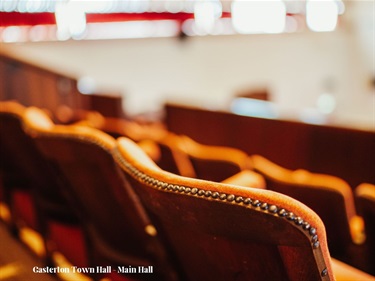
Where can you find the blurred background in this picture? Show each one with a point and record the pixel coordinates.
(314, 60)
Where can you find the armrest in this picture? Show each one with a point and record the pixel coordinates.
(91, 119)
(357, 229)
(345, 272)
(247, 178)
(151, 148)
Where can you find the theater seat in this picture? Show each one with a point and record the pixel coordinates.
(158, 143)
(365, 198)
(31, 190)
(345, 272)
(167, 155)
(185, 157)
(117, 127)
(330, 197)
(177, 154)
(247, 178)
(215, 163)
(117, 229)
(217, 231)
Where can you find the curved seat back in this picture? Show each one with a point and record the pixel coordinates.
(365, 198)
(215, 163)
(24, 168)
(330, 197)
(217, 231)
(31, 188)
(118, 230)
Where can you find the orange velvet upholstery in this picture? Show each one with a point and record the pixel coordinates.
(183, 156)
(180, 154)
(365, 196)
(118, 230)
(247, 178)
(17, 152)
(167, 155)
(217, 231)
(345, 272)
(346, 153)
(330, 197)
(122, 127)
(31, 188)
(159, 144)
(215, 163)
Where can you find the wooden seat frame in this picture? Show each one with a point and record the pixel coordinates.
(118, 231)
(317, 191)
(156, 188)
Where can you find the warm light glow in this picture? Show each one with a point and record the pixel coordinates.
(97, 6)
(38, 33)
(241, 16)
(70, 20)
(340, 6)
(131, 29)
(86, 85)
(8, 6)
(12, 34)
(321, 15)
(35, 6)
(206, 13)
(174, 6)
(254, 108)
(22, 33)
(77, 18)
(62, 22)
(326, 103)
(294, 6)
(136, 6)
(312, 116)
(101, 6)
(223, 26)
(255, 16)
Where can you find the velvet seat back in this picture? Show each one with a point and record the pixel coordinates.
(118, 230)
(224, 232)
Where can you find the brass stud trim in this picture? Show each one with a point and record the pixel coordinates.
(231, 198)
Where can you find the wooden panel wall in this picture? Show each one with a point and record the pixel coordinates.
(346, 153)
(35, 85)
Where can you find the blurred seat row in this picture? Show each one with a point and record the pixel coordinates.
(110, 192)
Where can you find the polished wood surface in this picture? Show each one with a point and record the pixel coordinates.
(33, 84)
(215, 233)
(113, 220)
(343, 152)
